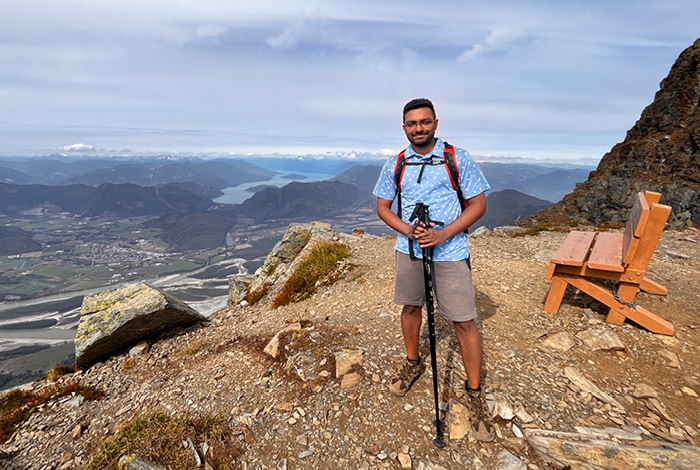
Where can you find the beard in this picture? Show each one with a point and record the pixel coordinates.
(421, 139)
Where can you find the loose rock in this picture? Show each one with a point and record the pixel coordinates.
(345, 359)
(601, 338)
(561, 340)
(459, 420)
(644, 391)
(507, 461)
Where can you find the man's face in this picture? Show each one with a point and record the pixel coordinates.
(419, 126)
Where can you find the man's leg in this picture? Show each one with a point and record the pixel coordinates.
(413, 367)
(408, 292)
(470, 345)
(411, 317)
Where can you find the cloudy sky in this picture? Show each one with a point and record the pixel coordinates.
(536, 79)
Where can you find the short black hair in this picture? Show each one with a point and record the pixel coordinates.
(419, 103)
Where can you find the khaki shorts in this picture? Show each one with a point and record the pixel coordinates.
(453, 286)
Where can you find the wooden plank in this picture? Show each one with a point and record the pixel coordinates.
(635, 227)
(575, 248)
(652, 197)
(658, 215)
(555, 296)
(638, 315)
(651, 287)
(607, 252)
(550, 271)
(640, 213)
(629, 248)
(626, 292)
(586, 271)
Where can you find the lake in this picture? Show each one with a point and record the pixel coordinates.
(240, 193)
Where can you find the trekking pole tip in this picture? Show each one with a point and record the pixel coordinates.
(439, 442)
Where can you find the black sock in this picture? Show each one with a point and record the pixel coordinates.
(473, 392)
(413, 362)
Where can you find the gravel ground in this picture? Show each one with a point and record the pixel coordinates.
(300, 415)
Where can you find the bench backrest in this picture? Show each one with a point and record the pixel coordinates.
(643, 230)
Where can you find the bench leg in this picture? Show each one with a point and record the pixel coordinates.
(652, 287)
(555, 296)
(625, 292)
(639, 315)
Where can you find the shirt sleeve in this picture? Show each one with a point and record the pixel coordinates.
(471, 179)
(386, 187)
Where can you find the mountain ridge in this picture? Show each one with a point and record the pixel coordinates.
(661, 152)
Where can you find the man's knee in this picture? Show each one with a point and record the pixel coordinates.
(467, 328)
(412, 310)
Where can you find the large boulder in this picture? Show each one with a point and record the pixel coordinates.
(115, 320)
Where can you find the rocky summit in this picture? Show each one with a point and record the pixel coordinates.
(306, 385)
(661, 152)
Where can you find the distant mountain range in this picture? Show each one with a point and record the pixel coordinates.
(505, 207)
(218, 174)
(107, 200)
(304, 201)
(301, 200)
(181, 192)
(538, 181)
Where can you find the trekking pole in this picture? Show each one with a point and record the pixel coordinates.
(422, 214)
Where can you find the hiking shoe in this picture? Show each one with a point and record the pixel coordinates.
(480, 418)
(405, 377)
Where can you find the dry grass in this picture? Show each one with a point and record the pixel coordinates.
(317, 268)
(534, 231)
(158, 438)
(255, 296)
(194, 348)
(58, 372)
(17, 406)
(606, 227)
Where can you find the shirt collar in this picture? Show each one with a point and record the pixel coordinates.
(437, 152)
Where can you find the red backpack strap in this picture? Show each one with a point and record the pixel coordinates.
(452, 170)
(398, 176)
(399, 169)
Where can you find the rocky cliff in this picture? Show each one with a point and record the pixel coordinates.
(661, 152)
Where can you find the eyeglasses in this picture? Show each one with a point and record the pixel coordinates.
(423, 123)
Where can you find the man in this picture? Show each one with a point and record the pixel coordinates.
(431, 185)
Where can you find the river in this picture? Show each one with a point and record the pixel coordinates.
(62, 311)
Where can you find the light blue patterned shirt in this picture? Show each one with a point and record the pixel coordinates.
(435, 190)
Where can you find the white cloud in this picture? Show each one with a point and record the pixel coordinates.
(288, 38)
(77, 148)
(210, 30)
(497, 40)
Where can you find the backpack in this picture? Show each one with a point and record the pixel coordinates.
(448, 159)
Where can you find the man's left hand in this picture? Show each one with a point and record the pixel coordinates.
(429, 237)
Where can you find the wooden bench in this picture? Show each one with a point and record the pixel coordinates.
(620, 257)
